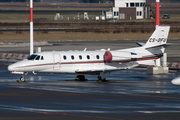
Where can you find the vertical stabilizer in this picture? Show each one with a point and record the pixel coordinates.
(159, 37)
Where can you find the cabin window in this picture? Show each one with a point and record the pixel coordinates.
(42, 58)
(88, 57)
(72, 57)
(64, 57)
(80, 57)
(37, 58)
(97, 56)
(32, 57)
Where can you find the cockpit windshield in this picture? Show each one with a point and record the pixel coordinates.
(31, 57)
(35, 57)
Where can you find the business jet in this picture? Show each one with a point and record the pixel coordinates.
(96, 62)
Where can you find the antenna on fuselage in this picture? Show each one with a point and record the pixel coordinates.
(85, 49)
(31, 28)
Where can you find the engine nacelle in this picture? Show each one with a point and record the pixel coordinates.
(117, 56)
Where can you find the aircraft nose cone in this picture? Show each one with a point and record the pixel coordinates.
(176, 81)
(10, 67)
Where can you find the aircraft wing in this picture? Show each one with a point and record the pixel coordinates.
(115, 67)
(90, 71)
(94, 72)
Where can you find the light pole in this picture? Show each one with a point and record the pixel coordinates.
(31, 28)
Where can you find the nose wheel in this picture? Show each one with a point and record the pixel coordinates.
(22, 79)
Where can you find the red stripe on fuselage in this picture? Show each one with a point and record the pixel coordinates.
(91, 62)
(36, 65)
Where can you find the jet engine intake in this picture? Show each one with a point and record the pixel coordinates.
(117, 56)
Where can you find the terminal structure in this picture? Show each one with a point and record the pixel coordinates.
(130, 9)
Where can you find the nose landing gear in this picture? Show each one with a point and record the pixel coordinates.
(22, 79)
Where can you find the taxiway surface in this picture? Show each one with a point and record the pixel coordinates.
(130, 94)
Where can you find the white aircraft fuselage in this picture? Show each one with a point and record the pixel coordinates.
(95, 62)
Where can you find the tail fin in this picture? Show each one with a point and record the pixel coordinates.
(158, 38)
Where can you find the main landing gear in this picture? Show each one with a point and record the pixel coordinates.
(80, 78)
(101, 78)
(22, 79)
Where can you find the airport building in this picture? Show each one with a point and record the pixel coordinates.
(130, 9)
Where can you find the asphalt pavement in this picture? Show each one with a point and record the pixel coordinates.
(130, 95)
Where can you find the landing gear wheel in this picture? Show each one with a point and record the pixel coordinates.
(104, 80)
(22, 79)
(80, 78)
(101, 78)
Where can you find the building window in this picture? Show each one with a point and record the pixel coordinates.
(142, 4)
(127, 4)
(139, 13)
(131, 4)
(137, 4)
(115, 14)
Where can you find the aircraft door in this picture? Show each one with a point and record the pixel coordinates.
(57, 61)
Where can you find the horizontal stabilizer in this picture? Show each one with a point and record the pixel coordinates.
(163, 45)
(92, 71)
(140, 44)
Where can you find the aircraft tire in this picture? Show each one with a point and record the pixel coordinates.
(102, 80)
